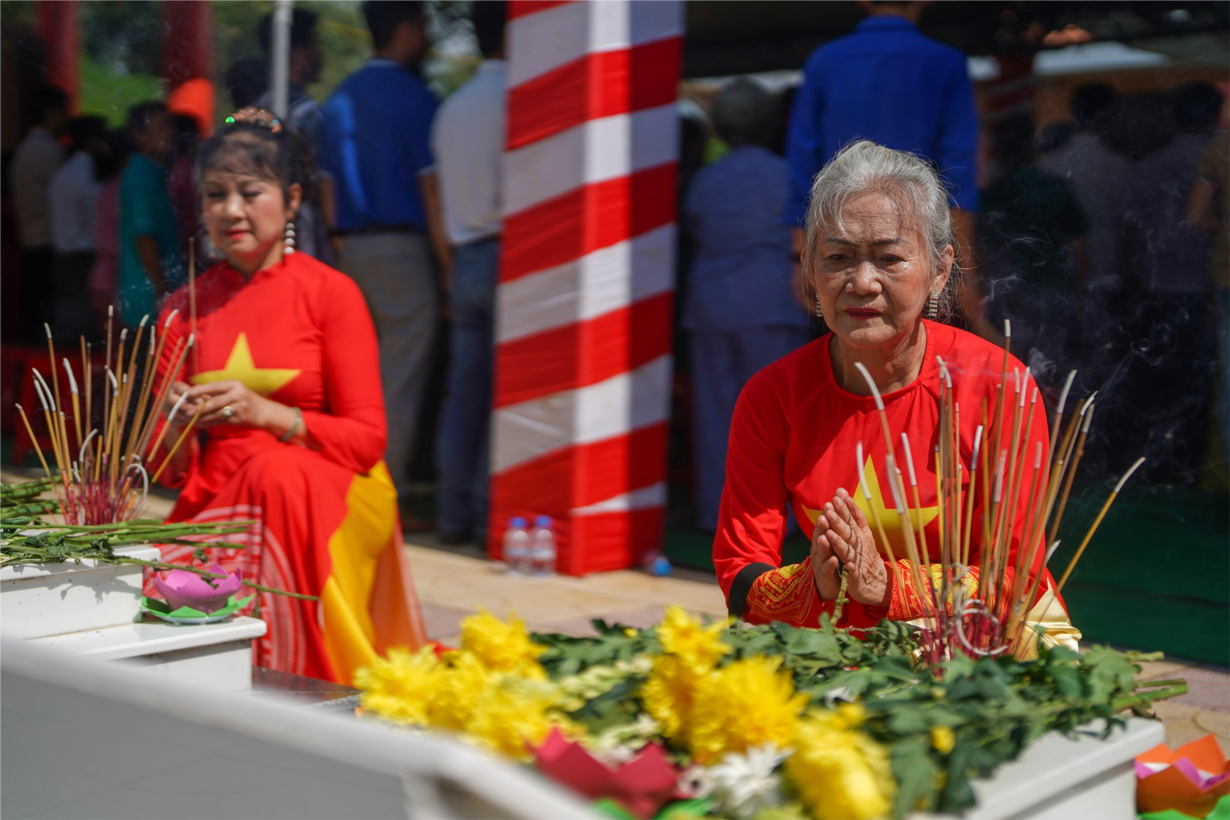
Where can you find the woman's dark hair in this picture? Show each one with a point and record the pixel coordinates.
(1092, 102)
(302, 30)
(384, 16)
(254, 149)
(1197, 106)
(489, 18)
(44, 99)
(82, 131)
(110, 163)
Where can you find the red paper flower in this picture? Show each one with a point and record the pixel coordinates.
(642, 785)
(1190, 779)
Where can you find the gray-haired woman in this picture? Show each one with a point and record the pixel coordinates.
(878, 266)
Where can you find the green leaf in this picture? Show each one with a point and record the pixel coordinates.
(1067, 681)
(957, 794)
(907, 720)
(915, 773)
(610, 808)
(684, 809)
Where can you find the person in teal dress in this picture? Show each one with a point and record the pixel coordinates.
(150, 265)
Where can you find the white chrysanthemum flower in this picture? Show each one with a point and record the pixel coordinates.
(743, 784)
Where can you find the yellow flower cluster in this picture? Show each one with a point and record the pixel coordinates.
(839, 771)
(502, 647)
(399, 687)
(493, 690)
(716, 711)
(690, 653)
(746, 704)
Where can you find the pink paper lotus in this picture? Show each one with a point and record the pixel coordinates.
(641, 785)
(182, 588)
(1190, 779)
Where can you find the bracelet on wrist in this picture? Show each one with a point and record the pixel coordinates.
(294, 428)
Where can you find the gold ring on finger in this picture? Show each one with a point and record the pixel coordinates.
(228, 412)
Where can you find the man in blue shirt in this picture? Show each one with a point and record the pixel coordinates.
(376, 146)
(888, 83)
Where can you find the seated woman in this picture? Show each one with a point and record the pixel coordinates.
(286, 377)
(878, 266)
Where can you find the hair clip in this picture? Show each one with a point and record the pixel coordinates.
(256, 116)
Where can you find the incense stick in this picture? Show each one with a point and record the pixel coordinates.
(1097, 521)
(196, 361)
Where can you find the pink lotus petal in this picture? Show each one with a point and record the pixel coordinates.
(1143, 770)
(181, 588)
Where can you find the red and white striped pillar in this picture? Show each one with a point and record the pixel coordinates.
(584, 303)
(57, 24)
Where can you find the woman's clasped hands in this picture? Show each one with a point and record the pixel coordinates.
(230, 403)
(841, 538)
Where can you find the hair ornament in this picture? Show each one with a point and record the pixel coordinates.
(256, 116)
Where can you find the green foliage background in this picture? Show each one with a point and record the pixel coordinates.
(121, 47)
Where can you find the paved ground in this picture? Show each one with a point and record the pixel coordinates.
(454, 582)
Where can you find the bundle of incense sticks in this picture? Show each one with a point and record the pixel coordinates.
(983, 613)
(101, 474)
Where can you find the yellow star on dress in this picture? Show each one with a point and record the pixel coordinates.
(241, 367)
(888, 515)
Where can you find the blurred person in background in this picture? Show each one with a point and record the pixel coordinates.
(1031, 234)
(740, 312)
(73, 199)
(888, 83)
(246, 80)
(377, 148)
(303, 115)
(468, 142)
(37, 157)
(1208, 208)
(105, 273)
(1098, 175)
(149, 233)
(1168, 380)
(181, 177)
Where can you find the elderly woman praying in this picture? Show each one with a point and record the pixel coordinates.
(878, 267)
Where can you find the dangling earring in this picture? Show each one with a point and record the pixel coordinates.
(933, 306)
(290, 237)
(819, 310)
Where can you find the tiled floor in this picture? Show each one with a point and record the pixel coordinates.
(454, 583)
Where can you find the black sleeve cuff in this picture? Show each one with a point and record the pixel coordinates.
(742, 585)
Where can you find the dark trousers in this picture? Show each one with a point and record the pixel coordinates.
(465, 417)
(38, 293)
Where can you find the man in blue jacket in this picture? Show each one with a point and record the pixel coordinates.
(887, 83)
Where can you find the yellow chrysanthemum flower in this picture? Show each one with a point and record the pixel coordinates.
(511, 713)
(748, 703)
(668, 692)
(838, 770)
(502, 647)
(942, 739)
(685, 637)
(398, 688)
(461, 681)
